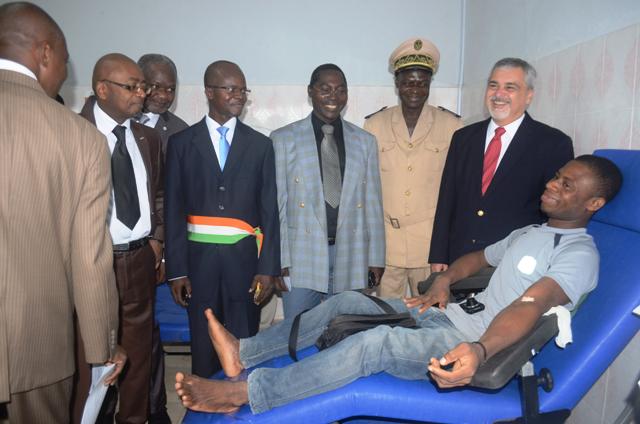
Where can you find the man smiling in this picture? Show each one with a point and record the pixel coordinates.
(538, 267)
(496, 169)
(331, 225)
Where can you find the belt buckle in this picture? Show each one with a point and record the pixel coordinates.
(395, 223)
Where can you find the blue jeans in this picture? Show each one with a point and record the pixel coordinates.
(299, 299)
(399, 351)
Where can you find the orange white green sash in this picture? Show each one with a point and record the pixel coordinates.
(216, 230)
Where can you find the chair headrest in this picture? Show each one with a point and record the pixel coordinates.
(622, 211)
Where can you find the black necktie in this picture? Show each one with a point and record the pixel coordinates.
(124, 181)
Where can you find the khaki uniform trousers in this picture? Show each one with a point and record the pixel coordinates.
(395, 280)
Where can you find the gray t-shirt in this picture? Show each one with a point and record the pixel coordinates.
(524, 257)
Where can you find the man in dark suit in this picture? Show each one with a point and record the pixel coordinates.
(496, 169)
(135, 220)
(160, 75)
(222, 243)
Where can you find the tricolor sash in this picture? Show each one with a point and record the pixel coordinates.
(216, 230)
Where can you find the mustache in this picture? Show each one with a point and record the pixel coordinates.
(500, 99)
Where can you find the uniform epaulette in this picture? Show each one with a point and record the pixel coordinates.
(371, 114)
(444, 109)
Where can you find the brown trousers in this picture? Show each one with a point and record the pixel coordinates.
(43, 405)
(136, 280)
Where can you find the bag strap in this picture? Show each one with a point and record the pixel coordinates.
(293, 336)
(295, 325)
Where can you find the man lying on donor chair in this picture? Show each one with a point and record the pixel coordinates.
(538, 267)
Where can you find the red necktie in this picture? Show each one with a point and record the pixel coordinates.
(491, 159)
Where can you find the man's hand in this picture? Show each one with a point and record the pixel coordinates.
(437, 293)
(377, 274)
(439, 267)
(119, 358)
(178, 288)
(262, 288)
(157, 251)
(280, 285)
(466, 358)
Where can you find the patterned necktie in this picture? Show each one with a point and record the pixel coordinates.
(224, 146)
(331, 178)
(124, 181)
(491, 158)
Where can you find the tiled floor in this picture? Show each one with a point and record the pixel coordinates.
(174, 363)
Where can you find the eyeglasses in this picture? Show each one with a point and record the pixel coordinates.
(230, 90)
(133, 88)
(325, 90)
(158, 87)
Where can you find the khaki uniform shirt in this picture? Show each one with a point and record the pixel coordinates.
(411, 169)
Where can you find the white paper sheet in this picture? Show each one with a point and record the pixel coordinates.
(97, 392)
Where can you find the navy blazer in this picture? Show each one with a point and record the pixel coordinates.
(467, 221)
(195, 185)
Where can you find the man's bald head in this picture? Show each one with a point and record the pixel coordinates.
(220, 69)
(119, 86)
(107, 65)
(29, 36)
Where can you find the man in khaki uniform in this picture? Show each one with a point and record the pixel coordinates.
(413, 140)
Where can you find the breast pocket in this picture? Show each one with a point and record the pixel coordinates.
(386, 153)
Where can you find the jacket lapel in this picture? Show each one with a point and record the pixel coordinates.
(350, 180)
(143, 147)
(202, 141)
(517, 148)
(307, 149)
(239, 145)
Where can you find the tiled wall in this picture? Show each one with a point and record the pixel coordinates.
(591, 91)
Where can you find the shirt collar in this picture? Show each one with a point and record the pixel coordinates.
(10, 65)
(105, 123)
(213, 126)
(510, 129)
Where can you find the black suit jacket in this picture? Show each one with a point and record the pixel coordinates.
(148, 141)
(168, 124)
(466, 220)
(195, 185)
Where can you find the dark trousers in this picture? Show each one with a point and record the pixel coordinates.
(136, 280)
(158, 392)
(221, 276)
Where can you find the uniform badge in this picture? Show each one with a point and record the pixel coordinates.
(417, 44)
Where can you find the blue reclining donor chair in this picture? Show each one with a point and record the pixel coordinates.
(172, 318)
(602, 327)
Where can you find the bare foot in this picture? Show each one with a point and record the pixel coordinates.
(225, 344)
(199, 394)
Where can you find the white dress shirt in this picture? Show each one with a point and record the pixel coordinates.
(510, 132)
(120, 233)
(10, 65)
(215, 135)
(153, 119)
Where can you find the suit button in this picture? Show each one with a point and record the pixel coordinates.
(411, 145)
(435, 149)
(164, 128)
(480, 212)
(409, 168)
(222, 188)
(221, 206)
(359, 205)
(407, 193)
(297, 180)
(473, 241)
(301, 204)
